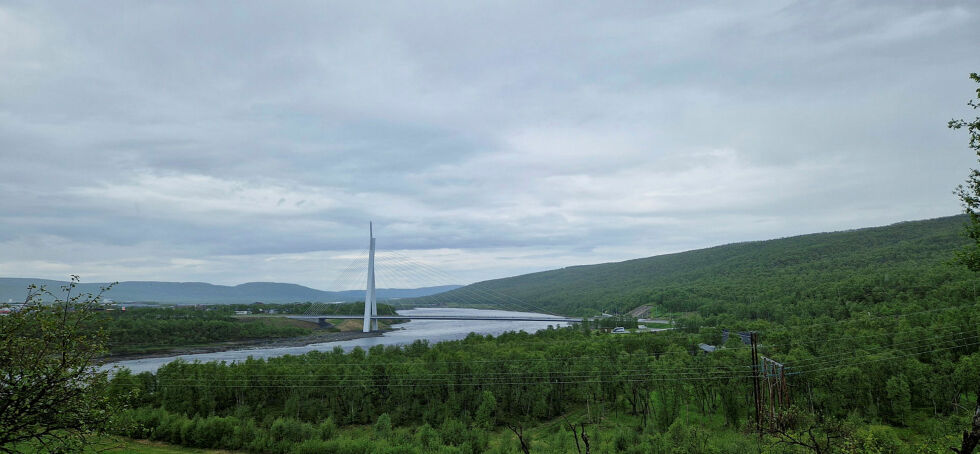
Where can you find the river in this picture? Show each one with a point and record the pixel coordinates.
(430, 330)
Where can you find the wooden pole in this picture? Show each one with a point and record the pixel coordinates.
(770, 371)
(754, 338)
(782, 379)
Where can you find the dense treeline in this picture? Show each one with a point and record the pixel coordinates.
(772, 279)
(140, 329)
(354, 308)
(635, 393)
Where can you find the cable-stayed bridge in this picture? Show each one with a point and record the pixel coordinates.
(543, 318)
(403, 267)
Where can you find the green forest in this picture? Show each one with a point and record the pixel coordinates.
(882, 384)
(869, 339)
(149, 329)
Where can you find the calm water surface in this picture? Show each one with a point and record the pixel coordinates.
(431, 330)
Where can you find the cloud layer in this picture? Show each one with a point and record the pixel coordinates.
(244, 141)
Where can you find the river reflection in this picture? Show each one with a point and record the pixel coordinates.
(431, 330)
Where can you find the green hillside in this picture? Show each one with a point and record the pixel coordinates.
(799, 275)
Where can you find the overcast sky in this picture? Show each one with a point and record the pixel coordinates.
(229, 142)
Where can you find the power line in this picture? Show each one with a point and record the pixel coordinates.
(544, 381)
(542, 377)
(682, 370)
(887, 358)
(816, 360)
(565, 344)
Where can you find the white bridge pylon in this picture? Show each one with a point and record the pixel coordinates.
(370, 299)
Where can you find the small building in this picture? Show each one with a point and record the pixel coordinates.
(242, 312)
(744, 336)
(707, 348)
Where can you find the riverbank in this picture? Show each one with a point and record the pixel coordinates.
(315, 338)
(429, 331)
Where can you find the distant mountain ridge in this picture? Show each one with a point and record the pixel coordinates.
(203, 293)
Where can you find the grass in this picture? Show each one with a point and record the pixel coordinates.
(155, 447)
(285, 321)
(126, 445)
(349, 324)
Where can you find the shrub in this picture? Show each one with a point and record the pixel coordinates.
(311, 447)
(453, 432)
(625, 439)
(327, 429)
(427, 437)
(382, 428)
(291, 430)
(486, 417)
(875, 440)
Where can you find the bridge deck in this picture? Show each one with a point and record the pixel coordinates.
(440, 317)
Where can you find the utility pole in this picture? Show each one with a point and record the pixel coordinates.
(754, 338)
(776, 392)
(971, 437)
(782, 379)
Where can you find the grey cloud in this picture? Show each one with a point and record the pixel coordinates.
(253, 141)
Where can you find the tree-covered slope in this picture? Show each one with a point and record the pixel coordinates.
(755, 279)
